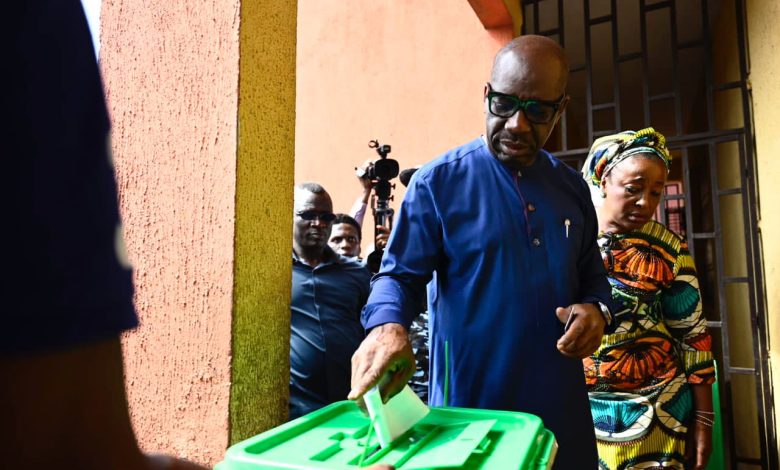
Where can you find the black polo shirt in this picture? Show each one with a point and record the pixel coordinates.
(326, 330)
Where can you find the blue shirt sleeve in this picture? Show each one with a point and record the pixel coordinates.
(412, 254)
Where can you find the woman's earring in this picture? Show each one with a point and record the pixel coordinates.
(603, 193)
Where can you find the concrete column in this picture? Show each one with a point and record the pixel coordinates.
(264, 207)
(207, 213)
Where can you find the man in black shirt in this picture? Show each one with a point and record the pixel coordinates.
(328, 292)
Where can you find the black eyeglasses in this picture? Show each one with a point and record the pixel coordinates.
(326, 217)
(536, 111)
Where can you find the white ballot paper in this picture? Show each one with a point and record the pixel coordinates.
(395, 417)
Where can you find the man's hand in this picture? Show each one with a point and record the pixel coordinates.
(382, 235)
(585, 330)
(386, 352)
(365, 183)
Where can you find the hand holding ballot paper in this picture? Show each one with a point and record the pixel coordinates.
(398, 415)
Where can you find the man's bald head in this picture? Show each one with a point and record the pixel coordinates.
(530, 69)
(303, 193)
(312, 221)
(529, 52)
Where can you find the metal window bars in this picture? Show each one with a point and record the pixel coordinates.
(692, 99)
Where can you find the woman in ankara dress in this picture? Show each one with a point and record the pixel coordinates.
(650, 381)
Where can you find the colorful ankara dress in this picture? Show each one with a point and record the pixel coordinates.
(639, 379)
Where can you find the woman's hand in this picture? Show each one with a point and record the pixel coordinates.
(699, 444)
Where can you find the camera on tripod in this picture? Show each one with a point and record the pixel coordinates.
(380, 172)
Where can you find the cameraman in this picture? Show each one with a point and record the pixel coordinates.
(358, 211)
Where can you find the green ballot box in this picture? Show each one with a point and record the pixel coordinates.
(340, 436)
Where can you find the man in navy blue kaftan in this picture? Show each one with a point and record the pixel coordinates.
(511, 234)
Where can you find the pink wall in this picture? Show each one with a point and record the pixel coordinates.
(409, 73)
(171, 74)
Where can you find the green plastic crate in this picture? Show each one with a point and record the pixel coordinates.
(335, 437)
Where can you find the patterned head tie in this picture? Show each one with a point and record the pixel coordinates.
(610, 150)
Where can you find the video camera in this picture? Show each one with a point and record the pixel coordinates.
(382, 169)
(381, 172)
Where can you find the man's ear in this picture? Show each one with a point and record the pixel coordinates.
(565, 102)
(559, 113)
(484, 99)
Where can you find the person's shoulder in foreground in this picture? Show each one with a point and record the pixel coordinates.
(62, 398)
(66, 251)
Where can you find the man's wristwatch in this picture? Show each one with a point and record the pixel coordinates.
(604, 312)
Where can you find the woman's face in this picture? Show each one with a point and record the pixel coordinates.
(633, 190)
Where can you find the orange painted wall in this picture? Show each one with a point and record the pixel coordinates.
(170, 70)
(406, 72)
